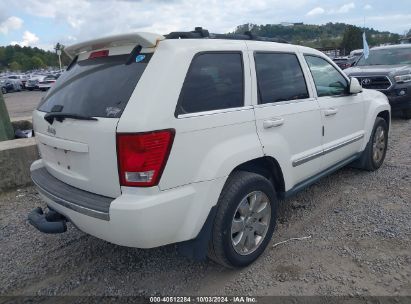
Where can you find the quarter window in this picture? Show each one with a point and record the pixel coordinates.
(279, 77)
(328, 81)
(214, 81)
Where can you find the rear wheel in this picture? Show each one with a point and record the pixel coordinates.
(376, 149)
(406, 114)
(245, 220)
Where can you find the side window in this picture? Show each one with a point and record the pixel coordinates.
(328, 81)
(279, 77)
(214, 81)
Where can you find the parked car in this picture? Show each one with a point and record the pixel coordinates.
(3, 88)
(356, 53)
(46, 83)
(33, 82)
(388, 70)
(19, 78)
(10, 85)
(237, 125)
(345, 62)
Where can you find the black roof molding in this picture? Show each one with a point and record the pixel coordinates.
(200, 33)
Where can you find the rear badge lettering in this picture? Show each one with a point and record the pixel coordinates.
(140, 58)
(51, 130)
(112, 111)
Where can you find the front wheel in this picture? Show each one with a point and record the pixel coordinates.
(245, 220)
(376, 149)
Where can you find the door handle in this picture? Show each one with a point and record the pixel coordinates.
(330, 112)
(273, 122)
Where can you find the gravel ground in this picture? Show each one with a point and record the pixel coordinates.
(359, 223)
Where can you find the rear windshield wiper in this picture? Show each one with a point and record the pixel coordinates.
(133, 54)
(50, 117)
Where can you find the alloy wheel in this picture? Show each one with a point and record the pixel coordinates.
(250, 222)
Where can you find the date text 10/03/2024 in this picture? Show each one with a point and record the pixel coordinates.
(200, 299)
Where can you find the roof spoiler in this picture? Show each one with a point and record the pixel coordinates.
(146, 40)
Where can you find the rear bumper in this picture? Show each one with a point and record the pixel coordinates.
(140, 217)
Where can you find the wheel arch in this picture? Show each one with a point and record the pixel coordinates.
(386, 116)
(268, 167)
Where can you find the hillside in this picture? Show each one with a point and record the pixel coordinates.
(318, 36)
(17, 58)
(331, 35)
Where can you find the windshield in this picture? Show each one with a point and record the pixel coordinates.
(393, 56)
(98, 87)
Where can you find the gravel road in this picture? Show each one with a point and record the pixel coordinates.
(359, 223)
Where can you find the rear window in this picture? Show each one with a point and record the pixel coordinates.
(98, 87)
(214, 81)
(279, 77)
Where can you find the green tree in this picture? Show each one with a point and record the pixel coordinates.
(352, 39)
(37, 62)
(15, 66)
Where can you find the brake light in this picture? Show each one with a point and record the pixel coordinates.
(97, 54)
(143, 156)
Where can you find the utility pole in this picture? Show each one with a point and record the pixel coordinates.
(59, 54)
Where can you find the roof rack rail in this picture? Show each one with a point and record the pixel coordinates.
(200, 33)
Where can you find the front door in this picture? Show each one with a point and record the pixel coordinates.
(342, 113)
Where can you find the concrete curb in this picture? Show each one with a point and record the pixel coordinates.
(16, 156)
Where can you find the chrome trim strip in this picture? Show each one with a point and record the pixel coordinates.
(343, 144)
(310, 157)
(220, 111)
(83, 210)
(283, 102)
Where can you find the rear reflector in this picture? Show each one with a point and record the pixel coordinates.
(143, 156)
(97, 54)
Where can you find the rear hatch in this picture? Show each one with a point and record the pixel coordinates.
(76, 122)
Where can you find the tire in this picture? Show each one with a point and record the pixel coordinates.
(371, 163)
(30, 89)
(241, 189)
(406, 114)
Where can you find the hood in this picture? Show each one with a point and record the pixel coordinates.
(390, 70)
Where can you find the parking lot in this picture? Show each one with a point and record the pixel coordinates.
(355, 227)
(21, 104)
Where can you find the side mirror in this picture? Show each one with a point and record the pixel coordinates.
(355, 86)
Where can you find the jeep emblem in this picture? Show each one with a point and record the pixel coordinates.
(51, 130)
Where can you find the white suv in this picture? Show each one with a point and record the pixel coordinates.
(148, 140)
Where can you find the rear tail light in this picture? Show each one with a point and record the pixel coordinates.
(97, 54)
(143, 156)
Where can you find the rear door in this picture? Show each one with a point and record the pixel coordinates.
(287, 116)
(82, 153)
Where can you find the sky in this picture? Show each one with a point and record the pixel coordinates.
(43, 23)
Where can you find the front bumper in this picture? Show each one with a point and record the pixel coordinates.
(399, 96)
(141, 217)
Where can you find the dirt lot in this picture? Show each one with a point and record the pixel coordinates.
(359, 223)
(21, 104)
